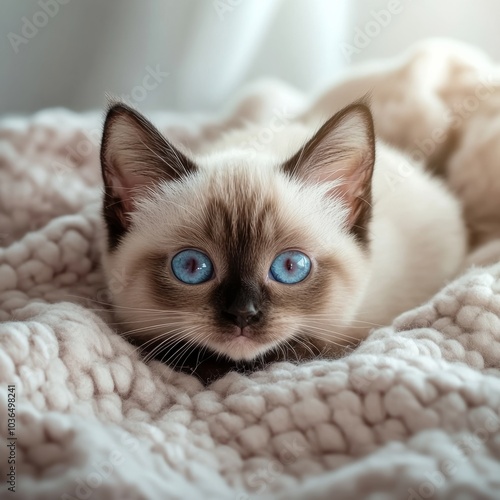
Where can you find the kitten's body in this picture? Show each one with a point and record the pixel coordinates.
(378, 246)
(418, 238)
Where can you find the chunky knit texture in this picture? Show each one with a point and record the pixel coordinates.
(412, 413)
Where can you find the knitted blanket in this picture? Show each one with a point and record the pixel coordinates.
(413, 413)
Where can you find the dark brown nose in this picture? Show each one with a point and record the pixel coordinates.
(242, 315)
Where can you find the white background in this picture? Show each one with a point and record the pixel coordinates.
(209, 48)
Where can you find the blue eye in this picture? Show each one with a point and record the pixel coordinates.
(192, 267)
(290, 267)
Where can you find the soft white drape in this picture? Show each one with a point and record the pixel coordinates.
(209, 48)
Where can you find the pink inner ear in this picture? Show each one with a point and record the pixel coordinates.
(126, 187)
(354, 180)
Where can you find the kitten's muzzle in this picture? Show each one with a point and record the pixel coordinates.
(243, 315)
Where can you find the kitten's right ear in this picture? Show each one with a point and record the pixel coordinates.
(134, 157)
(343, 151)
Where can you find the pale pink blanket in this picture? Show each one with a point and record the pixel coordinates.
(413, 413)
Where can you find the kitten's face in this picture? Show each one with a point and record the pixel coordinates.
(235, 256)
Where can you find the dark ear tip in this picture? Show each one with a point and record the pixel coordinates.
(119, 111)
(118, 108)
(363, 102)
(362, 107)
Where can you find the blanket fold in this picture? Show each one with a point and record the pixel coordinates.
(414, 412)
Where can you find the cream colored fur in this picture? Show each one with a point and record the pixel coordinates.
(418, 239)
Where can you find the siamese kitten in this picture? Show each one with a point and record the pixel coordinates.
(297, 248)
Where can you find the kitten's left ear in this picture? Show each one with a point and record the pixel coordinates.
(342, 150)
